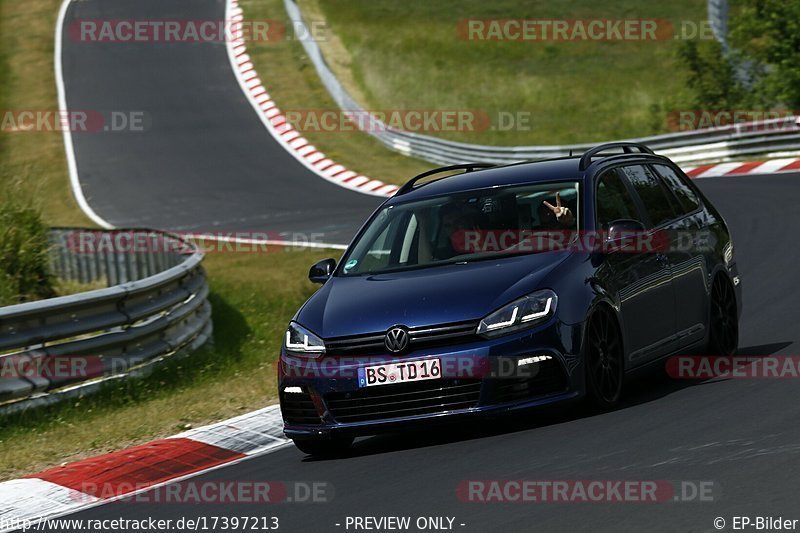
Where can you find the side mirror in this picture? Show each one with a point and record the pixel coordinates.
(623, 233)
(322, 270)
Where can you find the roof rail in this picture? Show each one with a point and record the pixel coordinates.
(468, 167)
(627, 147)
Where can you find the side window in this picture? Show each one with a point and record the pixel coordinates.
(614, 202)
(653, 194)
(682, 191)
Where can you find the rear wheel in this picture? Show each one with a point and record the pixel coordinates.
(724, 327)
(604, 359)
(324, 448)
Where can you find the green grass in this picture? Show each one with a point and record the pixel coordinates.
(35, 160)
(407, 55)
(253, 295)
(292, 82)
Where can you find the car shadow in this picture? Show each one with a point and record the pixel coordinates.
(655, 383)
(650, 385)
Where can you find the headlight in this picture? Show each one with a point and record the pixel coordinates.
(522, 313)
(300, 341)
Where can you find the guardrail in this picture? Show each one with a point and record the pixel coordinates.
(155, 306)
(774, 138)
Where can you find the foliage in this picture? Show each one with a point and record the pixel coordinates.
(768, 31)
(712, 75)
(24, 260)
(762, 68)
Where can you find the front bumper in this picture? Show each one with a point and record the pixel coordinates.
(482, 377)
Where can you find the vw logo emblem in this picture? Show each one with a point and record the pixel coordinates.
(396, 339)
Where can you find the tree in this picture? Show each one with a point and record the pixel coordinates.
(712, 75)
(763, 67)
(768, 31)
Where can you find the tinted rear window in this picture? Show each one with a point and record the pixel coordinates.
(680, 189)
(614, 201)
(654, 195)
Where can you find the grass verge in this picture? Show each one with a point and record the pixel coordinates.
(33, 160)
(253, 295)
(409, 55)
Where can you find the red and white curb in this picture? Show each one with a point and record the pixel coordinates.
(277, 124)
(82, 484)
(772, 166)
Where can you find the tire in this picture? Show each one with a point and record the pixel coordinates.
(324, 448)
(723, 336)
(604, 360)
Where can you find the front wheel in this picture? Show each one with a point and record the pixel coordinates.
(324, 448)
(604, 360)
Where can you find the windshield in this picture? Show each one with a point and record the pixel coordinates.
(463, 227)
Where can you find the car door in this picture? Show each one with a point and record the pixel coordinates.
(640, 278)
(687, 258)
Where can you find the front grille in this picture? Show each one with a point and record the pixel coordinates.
(403, 399)
(549, 379)
(298, 408)
(420, 337)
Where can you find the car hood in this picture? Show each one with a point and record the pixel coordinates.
(452, 293)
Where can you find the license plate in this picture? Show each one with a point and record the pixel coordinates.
(404, 372)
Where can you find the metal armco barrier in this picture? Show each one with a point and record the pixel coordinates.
(772, 138)
(155, 305)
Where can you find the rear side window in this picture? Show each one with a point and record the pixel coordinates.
(614, 201)
(686, 197)
(652, 192)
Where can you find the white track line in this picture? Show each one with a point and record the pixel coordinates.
(72, 165)
(74, 180)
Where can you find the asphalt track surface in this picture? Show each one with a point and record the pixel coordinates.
(204, 161)
(741, 434)
(207, 160)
